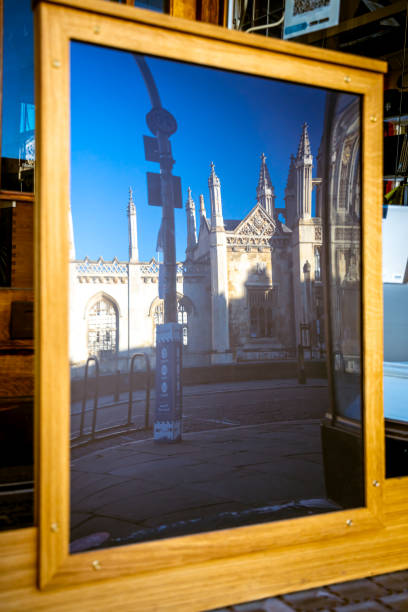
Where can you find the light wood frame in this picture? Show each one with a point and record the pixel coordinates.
(218, 568)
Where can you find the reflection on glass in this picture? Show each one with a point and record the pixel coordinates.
(341, 430)
(344, 253)
(18, 113)
(198, 351)
(395, 288)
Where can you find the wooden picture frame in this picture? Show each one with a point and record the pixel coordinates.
(218, 568)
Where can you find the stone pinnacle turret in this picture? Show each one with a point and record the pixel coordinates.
(214, 186)
(264, 192)
(131, 210)
(191, 224)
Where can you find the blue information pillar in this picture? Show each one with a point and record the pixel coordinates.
(168, 410)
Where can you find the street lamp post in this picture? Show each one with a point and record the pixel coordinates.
(164, 190)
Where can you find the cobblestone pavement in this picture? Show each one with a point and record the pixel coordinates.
(217, 405)
(375, 594)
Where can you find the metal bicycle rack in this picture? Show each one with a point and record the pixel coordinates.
(131, 370)
(96, 396)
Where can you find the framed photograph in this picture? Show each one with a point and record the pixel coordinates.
(208, 315)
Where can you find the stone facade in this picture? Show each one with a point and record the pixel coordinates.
(249, 289)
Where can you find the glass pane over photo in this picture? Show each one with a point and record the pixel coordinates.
(215, 289)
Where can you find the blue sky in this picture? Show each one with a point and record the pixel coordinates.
(224, 117)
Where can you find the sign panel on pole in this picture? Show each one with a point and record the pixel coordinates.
(167, 419)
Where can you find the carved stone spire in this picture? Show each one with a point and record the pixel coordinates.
(304, 183)
(191, 223)
(304, 144)
(264, 192)
(131, 210)
(203, 214)
(217, 221)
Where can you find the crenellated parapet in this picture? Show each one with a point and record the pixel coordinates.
(101, 271)
(115, 271)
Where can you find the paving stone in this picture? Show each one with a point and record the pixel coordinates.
(124, 491)
(364, 606)
(84, 484)
(96, 524)
(398, 601)
(276, 605)
(358, 590)
(254, 606)
(397, 581)
(313, 600)
(77, 518)
(149, 505)
(273, 604)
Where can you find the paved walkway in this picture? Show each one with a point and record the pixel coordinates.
(377, 594)
(138, 490)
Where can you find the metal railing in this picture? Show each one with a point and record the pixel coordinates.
(86, 435)
(85, 396)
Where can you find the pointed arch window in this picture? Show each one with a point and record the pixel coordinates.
(102, 320)
(182, 318)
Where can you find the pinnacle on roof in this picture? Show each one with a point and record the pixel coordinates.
(264, 176)
(131, 205)
(304, 144)
(190, 201)
(202, 206)
(213, 179)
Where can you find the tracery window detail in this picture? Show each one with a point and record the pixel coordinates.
(182, 318)
(102, 320)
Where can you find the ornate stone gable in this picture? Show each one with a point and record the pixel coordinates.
(255, 230)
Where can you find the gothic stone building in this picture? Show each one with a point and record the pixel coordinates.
(249, 289)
